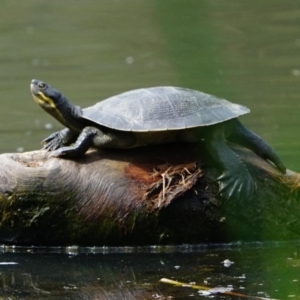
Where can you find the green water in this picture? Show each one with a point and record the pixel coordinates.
(244, 51)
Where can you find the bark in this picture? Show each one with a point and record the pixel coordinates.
(154, 195)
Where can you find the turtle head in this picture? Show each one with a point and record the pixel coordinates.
(45, 95)
(55, 103)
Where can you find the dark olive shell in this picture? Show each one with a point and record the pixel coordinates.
(162, 108)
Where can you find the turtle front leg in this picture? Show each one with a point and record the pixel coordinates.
(236, 181)
(95, 137)
(59, 139)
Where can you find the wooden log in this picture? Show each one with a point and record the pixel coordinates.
(152, 195)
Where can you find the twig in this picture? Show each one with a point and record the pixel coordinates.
(199, 287)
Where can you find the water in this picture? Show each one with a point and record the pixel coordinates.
(244, 51)
(264, 270)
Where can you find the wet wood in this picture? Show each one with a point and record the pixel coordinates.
(154, 195)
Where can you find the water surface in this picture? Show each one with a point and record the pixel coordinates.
(244, 51)
(257, 269)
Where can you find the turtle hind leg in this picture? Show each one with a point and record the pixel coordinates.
(236, 181)
(245, 137)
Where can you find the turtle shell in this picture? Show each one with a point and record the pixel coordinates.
(162, 108)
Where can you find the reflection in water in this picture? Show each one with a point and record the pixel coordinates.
(26, 287)
(264, 270)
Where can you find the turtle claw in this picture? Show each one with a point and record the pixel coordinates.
(236, 187)
(59, 152)
(58, 140)
(51, 146)
(53, 142)
(67, 152)
(51, 137)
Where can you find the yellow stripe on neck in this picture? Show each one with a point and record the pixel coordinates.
(48, 100)
(49, 105)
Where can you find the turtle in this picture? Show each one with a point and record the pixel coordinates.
(157, 115)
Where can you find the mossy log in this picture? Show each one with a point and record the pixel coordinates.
(155, 195)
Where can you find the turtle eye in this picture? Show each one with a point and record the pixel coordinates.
(41, 85)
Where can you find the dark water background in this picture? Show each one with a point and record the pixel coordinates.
(244, 51)
(264, 270)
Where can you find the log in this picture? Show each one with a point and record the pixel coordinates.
(163, 194)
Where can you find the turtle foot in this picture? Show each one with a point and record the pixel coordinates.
(53, 142)
(59, 139)
(63, 152)
(236, 187)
